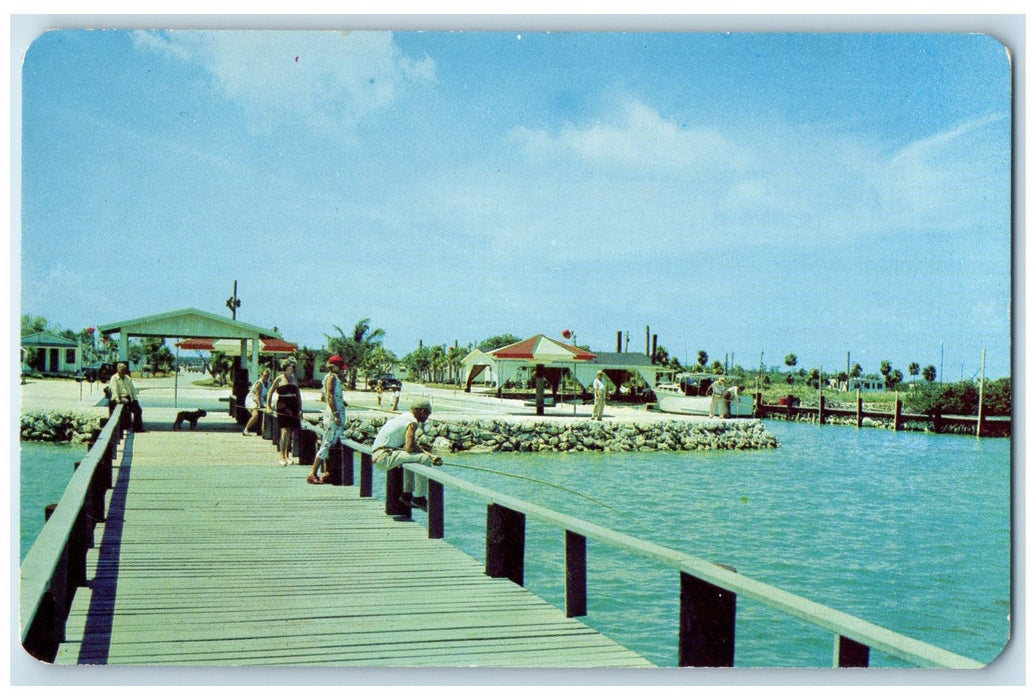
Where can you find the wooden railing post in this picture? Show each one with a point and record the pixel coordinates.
(859, 409)
(505, 543)
(393, 491)
(333, 464)
(707, 619)
(366, 475)
(348, 462)
(820, 411)
(897, 415)
(79, 542)
(850, 653)
(275, 430)
(436, 510)
(304, 445)
(575, 574)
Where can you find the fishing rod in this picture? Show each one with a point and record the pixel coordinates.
(534, 480)
(308, 426)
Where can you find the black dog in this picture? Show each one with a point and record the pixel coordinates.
(189, 416)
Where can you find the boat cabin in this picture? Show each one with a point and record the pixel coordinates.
(689, 384)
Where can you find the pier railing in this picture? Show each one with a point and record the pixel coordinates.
(56, 564)
(708, 591)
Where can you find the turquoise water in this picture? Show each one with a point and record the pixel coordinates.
(46, 469)
(906, 530)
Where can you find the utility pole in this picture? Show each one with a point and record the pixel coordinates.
(233, 303)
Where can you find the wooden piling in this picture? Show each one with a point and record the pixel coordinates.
(851, 654)
(436, 510)
(707, 616)
(505, 543)
(348, 466)
(366, 475)
(575, 574)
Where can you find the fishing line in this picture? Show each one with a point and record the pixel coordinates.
(537, 481)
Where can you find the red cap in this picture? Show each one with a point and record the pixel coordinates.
(336, 360)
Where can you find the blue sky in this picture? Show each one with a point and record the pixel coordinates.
(814, 194)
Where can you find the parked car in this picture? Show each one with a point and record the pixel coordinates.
(387, 380)
(100, 372)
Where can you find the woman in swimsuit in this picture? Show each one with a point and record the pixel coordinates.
(288, 408)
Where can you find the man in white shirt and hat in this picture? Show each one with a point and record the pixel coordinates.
(396, 444)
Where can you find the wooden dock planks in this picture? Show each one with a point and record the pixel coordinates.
(214, 554)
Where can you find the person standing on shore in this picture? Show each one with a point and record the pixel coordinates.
(334, 417)
(123, 391)
(600, 389)
(381, 390)
(288, 408)
(256, 399)
(396, 444)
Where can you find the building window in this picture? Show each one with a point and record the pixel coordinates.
(70, 356)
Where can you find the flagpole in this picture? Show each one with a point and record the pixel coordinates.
(176, 376)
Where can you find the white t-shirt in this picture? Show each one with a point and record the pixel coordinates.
(393, 433)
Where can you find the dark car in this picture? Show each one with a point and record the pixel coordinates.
(389, 382)
(101, 372)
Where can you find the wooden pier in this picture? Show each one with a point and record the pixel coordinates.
(214, 554)
(199, 549)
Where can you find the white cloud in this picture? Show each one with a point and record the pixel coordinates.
(751, 183)
(638, 137)
(332, 79)
(955, 179)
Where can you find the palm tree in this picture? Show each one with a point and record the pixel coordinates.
(914, 369)
(928, 373)
(703, 358)
(454, 357)
(356, 349)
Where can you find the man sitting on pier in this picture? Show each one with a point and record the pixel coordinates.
(123, 391)
(396, 444)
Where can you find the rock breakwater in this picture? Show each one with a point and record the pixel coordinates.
(59, 426)
(502, 435)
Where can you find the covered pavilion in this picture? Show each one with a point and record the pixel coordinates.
(551, 359)
(194, 324)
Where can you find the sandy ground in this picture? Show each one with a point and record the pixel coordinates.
(161, 398)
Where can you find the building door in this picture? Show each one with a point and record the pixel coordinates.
(53, 365)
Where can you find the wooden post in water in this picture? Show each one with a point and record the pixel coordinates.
(575, 574)
(505, 543)
(898, 412)
(981, 395)
(707, 618)
(859, 408)
(820, 395)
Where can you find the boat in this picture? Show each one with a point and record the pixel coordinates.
(690, 393)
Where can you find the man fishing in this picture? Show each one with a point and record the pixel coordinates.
(396, 444)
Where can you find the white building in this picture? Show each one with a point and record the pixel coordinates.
(51, 354)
